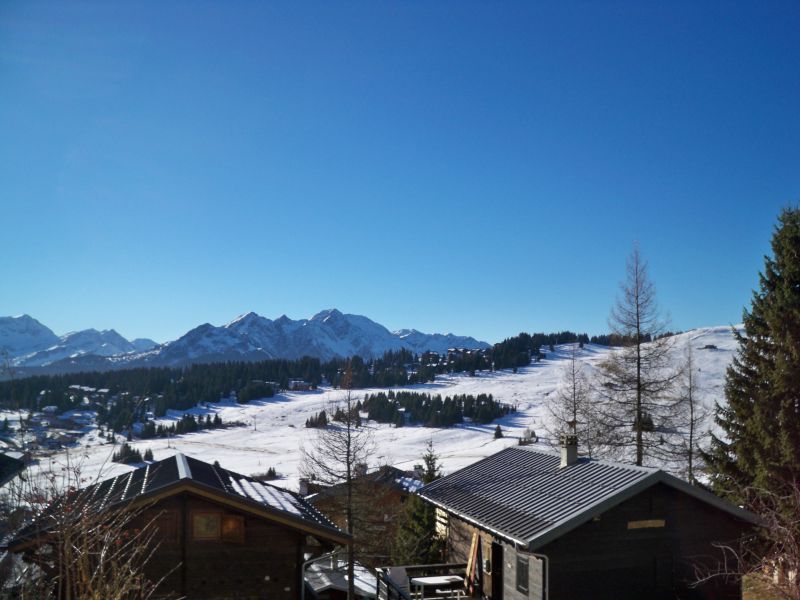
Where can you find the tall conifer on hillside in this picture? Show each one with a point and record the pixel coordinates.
(760, 448)
(634, 415)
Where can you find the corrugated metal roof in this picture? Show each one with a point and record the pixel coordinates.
(525, 496)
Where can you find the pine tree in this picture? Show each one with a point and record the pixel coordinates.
(760, 449)
(416, 541)
(498, 433)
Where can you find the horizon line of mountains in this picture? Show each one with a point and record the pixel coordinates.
(34, 348)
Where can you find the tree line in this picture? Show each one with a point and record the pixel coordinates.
(432, 410)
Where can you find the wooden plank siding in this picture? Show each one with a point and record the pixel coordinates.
(264, 565)
(606, 558)
(646, 547)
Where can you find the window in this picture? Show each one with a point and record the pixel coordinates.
(233, 529)
(522, 574)
(206, 525)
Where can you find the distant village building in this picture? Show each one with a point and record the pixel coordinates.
(298, 385)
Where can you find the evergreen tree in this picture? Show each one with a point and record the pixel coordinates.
(148, 455)
(760, 449)
(498, 433)
(416, 541)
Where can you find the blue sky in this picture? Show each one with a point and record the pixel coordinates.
(476, 167)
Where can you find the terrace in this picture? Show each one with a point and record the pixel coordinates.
(422, 582)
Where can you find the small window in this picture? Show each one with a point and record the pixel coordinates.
(233, 529)
(206, 525)
(522, 574)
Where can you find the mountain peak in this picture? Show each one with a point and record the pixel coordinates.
(245, 318)
(324, 315)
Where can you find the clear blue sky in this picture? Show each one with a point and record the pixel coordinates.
(476, 167)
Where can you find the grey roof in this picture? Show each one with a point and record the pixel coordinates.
(160, 476)
(10, 466)
(524, 496)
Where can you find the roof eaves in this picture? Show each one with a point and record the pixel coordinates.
(708, 497)
(465, 517)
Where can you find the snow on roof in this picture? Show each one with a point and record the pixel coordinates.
(322, 576)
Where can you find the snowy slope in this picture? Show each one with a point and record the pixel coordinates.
(276, 429)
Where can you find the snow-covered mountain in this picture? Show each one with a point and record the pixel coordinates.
(328, 334)
(24, 334)
(31, 344)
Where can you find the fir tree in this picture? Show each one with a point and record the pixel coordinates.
(760, 449)
(416, 541)
(498, 433)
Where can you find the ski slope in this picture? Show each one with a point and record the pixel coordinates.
(276, 430)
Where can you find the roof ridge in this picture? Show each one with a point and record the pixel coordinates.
(184, 472)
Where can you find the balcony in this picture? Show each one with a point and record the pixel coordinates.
(443, 581)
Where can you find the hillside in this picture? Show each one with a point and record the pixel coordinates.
(276, 429)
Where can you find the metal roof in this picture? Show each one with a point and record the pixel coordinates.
(158, 477)
(10, 466)
(524, 496)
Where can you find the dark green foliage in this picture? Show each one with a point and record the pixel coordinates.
(319, 421)
(498, 433)
(432, 411)
(6, 426)
(148, 455)
(127, 455)
(254, 391)
(416, 542)
(761, 447)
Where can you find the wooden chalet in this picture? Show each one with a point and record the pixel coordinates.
(532, 524)
(220, 534)
(379, 497)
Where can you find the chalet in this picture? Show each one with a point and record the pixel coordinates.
(220, 534)
(379, 496)
(531, 524)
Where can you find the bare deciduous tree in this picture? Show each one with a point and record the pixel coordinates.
(693, 415)
(572, 403)
(333, 458)
(634, 409)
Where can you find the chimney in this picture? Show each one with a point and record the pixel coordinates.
(419, 471)
(569, 445)
(303, 488)
(360, 469)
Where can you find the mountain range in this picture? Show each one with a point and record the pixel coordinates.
(328, 334)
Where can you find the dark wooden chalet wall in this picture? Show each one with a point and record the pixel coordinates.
(265, 565)
(605, 560)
